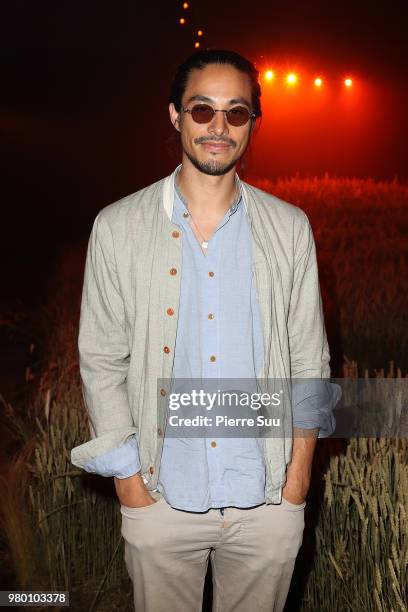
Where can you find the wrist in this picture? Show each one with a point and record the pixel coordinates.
(134, 481)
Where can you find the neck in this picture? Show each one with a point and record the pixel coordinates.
(206, 195)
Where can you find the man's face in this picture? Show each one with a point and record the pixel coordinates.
(214, 148)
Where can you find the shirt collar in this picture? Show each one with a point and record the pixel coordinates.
(233, 206)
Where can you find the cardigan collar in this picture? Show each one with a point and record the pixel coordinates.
(169, 186)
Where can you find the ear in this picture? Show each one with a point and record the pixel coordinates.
(174, 116)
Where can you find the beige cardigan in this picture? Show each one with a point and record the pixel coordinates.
(126, 339)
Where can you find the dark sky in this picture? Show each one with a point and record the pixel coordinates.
(83, 112)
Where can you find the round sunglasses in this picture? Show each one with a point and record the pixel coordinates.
(204, 113)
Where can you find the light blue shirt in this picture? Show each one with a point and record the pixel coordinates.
(194, 473)
(199, 473)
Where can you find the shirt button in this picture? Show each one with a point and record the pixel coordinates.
(170, 311)
(166, 349)
(211, 274)
(213, 444)
(185, 214)
(173, 271)
(213, 358)
(210, 315)
(151, 469)
(163, 392)
(159, 431)
(175, 234)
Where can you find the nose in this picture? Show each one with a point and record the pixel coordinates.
(219, 124)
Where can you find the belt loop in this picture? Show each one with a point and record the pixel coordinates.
(222, 511)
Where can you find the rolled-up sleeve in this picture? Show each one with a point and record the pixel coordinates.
(313, 398)
(121, 462)
(313, 404)
(104, 361)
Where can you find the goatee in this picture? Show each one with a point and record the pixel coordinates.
(212, 167)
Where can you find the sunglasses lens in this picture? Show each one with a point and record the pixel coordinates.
(202, 113)
(238, 115)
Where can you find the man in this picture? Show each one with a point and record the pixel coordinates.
(201, 276)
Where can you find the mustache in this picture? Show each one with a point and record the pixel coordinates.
(202, 139)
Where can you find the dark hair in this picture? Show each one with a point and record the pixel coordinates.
(201, 59)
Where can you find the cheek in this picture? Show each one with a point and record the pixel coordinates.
(187, 140)
(242, 141)
(188, 137)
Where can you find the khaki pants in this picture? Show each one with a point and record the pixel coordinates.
(252, 552)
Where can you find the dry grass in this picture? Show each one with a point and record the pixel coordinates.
(362, 532)
(360, 227)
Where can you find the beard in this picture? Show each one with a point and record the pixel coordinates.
(212, 167)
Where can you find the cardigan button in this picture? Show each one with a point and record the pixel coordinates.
(151, 469)
(163, 392)
(175, 234)
(166, 349)
(170, 312)
(173, 271)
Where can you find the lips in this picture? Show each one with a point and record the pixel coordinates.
(216, 146)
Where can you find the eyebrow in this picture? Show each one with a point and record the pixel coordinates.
(238, 100)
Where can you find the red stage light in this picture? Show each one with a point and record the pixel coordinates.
(318, 82)
(348, 82)
(269, 75)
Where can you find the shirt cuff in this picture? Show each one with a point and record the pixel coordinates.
(120, 462)
(314, 401)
